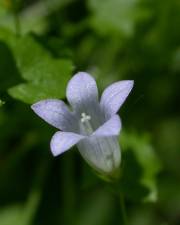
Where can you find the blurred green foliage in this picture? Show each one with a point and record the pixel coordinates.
(1, 102)
(42, 43)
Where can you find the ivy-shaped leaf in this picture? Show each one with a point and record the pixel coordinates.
(142, 160)
(44, 76)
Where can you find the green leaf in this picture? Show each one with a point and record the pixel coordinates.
(3, 6)
(9, 74)
(11, 215)
(46, 76)
(20, 214)
(117, 16)
(144, 163)
(32, 17)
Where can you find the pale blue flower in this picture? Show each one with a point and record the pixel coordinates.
(91, 125)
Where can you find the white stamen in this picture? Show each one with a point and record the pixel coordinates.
(85, 117)
(86, 126)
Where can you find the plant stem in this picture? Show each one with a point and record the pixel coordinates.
(123, 209)
(121, 202)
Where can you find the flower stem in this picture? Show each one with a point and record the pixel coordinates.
(118, 193)
(123, 209)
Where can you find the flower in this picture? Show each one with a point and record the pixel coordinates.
(91, 125)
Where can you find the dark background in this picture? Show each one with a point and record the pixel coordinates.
(113, 40)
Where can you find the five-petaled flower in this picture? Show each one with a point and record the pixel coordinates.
(94, 126)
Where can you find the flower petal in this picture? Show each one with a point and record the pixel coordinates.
(110, 128)
(62, 141)
(56, 113)
(82, 91)
(114, 96)
(102, 153)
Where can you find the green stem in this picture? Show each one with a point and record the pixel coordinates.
(123, 209)
(121, 202)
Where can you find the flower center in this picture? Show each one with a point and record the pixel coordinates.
(85, 123)
(85, 117)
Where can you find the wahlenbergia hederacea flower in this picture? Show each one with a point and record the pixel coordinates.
(92, 125)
